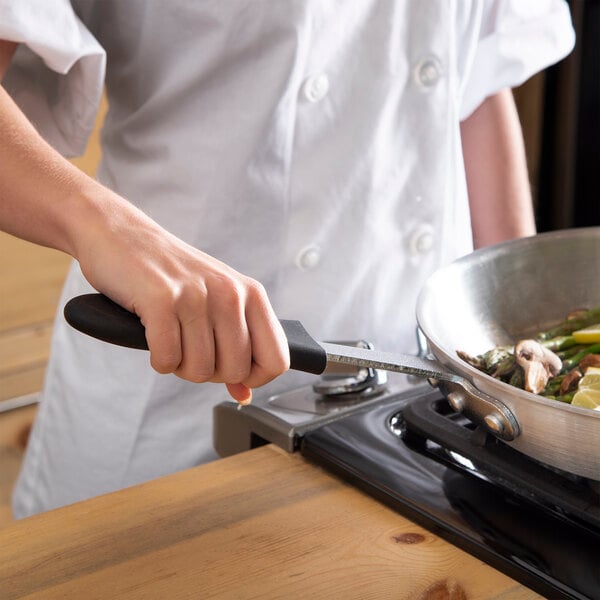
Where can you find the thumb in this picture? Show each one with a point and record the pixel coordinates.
(239, 392)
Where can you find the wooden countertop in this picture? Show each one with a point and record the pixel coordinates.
(261, 524)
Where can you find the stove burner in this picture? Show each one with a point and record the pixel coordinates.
(434, 429)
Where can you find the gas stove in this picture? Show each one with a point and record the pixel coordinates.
(406, 447)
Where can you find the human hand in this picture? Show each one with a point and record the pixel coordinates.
(204, 321)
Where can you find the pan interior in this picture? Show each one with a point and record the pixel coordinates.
(503, 293)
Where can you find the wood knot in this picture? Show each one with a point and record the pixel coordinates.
(444, 590)
(408, 538)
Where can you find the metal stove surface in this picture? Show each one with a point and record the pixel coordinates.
(544, 548)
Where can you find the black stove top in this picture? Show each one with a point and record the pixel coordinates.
(535, 524)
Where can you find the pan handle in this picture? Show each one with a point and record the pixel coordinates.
(100, 317)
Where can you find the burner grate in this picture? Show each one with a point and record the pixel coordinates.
(432, 428)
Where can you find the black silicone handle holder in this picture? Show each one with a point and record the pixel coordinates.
(98, 316)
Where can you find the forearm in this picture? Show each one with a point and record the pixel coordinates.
(496, 169)
(43, 197)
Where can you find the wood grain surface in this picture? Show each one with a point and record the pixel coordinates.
(262, 524)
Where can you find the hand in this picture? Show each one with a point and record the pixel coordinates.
(204, 321)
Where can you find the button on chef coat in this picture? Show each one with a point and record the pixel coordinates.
(309, 257)
(422, 240)
(428, 71)
(259, 132)
(315, 88)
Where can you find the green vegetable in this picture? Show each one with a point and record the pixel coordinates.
(572, 362)
(500, 362)
(568, 326)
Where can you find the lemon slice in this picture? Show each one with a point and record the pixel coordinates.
(587, 399)
(588, 335)
(591, 379)
(588, 390)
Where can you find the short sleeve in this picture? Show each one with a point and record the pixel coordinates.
(505, 42)
(57, 74)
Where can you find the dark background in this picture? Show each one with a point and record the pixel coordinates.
(560, 114)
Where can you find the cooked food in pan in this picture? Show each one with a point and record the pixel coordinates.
(562, 363)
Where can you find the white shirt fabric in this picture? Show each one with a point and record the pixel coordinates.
(313, 145)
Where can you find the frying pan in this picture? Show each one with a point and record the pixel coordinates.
(492, 297)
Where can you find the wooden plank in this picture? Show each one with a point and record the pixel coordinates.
(19, 383)
(262, 524)
(14, 431)
(23, 357)
(22, 347)
(32, 278)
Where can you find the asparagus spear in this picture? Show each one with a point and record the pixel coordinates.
(572, 362)
(560, 342)
(568, 326)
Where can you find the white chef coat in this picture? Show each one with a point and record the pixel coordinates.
(313, 145)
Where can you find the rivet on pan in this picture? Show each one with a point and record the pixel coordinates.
(456, 401)
(494, 423)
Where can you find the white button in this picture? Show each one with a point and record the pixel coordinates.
(315, 87)
(421, 241)
(309, 257)
(428, 71)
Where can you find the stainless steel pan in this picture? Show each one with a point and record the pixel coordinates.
(500, 294)
(491, 297)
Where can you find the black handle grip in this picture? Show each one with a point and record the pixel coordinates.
(98, 316)
(305, 354)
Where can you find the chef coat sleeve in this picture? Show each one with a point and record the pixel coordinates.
(57, 73)
(508, 41)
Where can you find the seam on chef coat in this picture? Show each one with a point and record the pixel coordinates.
(516, 40)
(57, 74)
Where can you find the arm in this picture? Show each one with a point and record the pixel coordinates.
(204, 321)
(496, 169)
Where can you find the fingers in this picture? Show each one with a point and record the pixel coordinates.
(270, 352)
(163, 335)
(239, 392)
(223, 330)
(233, 345)
(196, 332)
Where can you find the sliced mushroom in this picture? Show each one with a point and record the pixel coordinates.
(591, 360)
(539, 364)
(570, 381)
